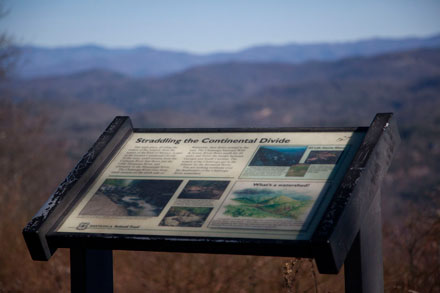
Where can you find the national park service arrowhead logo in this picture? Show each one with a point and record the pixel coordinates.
(83, 226)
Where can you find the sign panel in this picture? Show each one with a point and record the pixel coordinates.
(263, 185)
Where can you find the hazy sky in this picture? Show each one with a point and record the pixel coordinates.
(207, 26)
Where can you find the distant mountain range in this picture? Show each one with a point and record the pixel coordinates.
(346, 92)
(265, 91)
(149, 62)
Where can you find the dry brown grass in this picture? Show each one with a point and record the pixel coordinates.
(28, 170)
(412, 250)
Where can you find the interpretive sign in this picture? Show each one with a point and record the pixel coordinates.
(301, 192)
(267, 185)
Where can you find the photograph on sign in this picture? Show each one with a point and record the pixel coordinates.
(323, 157)
(306, 162)
(131, 197)
(186, 216)
(204, 189)
(278, 155)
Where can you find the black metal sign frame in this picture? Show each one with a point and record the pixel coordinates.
(332, 242)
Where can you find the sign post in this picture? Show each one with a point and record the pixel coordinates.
(91, 270)
(299, 192)
(363, 266)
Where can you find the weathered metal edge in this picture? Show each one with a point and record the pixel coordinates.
(35, 231)
(341, 221)
(212, 245)
(259, 129)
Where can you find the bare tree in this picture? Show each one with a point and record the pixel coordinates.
(8, 52)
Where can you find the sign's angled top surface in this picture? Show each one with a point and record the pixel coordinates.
(262, 185)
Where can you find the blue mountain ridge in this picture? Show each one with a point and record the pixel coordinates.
(149, 62)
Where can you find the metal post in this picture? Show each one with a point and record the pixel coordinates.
(91, 270)
(364, 265)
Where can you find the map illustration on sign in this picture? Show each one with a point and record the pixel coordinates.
(298, 170)
(131, 197)
(266, 203)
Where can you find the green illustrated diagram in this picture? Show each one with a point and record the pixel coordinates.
(264, 203)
